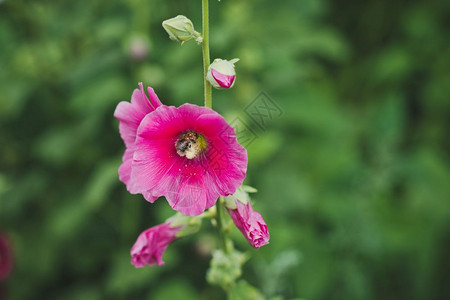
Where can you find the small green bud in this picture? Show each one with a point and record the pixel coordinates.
(181, 29)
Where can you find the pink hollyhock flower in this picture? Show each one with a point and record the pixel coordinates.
(6, 259)
(151, 244)
(188, 154)
(250, 223)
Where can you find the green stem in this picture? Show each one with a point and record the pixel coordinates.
(219, 220)
(205, 50)
(208, 103)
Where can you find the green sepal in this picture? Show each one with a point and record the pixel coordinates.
(242, 196)
(248, 189)
(190, 225)
(229, 202)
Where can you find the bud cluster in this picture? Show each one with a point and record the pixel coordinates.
(221, 73)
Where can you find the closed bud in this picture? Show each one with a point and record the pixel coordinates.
(181, 29)
(250, 223)
(221, 73)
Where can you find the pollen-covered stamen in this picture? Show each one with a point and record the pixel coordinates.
(190, 144)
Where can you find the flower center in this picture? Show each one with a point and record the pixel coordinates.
(190, 144)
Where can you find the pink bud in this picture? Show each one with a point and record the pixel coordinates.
(250, 223)
(221, 73)
(151, 244)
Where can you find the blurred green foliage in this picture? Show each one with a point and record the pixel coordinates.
(353, 178)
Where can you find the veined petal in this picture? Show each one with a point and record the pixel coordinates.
(130, 115)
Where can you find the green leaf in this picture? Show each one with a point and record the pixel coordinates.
(244, 291)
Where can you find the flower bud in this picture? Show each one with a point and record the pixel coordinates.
(250, 223)
(151, 244)
(221, 73)
(181, 29)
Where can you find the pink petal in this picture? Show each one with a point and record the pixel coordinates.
(130, 114)
(125, 167)
(150, 196)
(153, 98)
(223, 80)
(227, 159)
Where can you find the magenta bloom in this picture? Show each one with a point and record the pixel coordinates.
(151, 244)
(250, 223)
(188, 154)
(6, 258)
